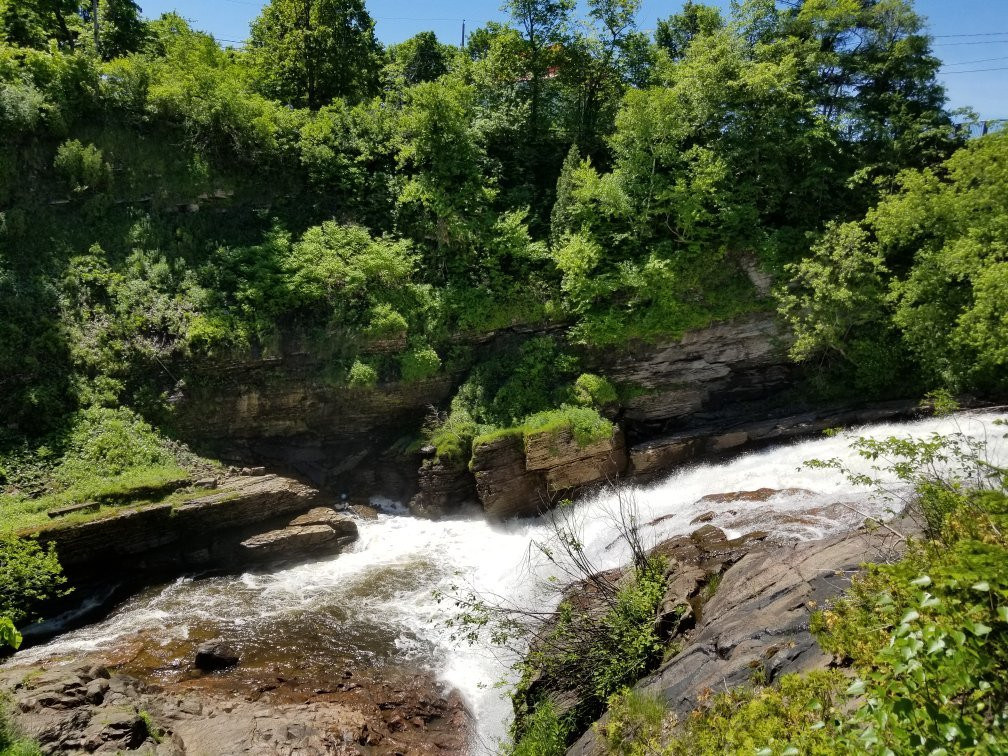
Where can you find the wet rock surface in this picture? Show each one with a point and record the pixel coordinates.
(78, 708)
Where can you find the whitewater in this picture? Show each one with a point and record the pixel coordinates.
(380, 598)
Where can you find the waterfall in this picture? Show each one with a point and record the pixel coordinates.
(376, 603)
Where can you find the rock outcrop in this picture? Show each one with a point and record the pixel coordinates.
(247, 521)
(443, 489)
(287, 412)
(757, 621)
(201, 532)
(740, 360)
(83, 708)
(523, 474)
(317, 533)
(662, 454)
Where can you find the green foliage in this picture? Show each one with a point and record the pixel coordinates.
(9, 636)
(420, 58)
(83, 167)
(634, 727)
(419, 363)
(385, 322)
(308, 55)
(596, 656)
(584, 423)
(362, 375)
(11, 741)
(545, 735)
(790, 717)
(592, 390)
(102, 455)
(29, 576)
(922, 274)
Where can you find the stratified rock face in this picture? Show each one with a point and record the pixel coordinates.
(664, 453)
(736, 361)
(204, 532)
(523, 475)
(286, 412)
(444, 489)
(505, 487)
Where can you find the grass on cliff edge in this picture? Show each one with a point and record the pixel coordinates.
(107, 456)
(585, 424)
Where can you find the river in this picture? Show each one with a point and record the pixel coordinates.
(376, 603)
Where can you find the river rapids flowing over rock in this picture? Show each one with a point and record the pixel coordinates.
(377, 605)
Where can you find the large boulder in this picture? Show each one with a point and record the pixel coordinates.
(319, 532)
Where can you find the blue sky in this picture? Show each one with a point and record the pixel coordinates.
(971, 36)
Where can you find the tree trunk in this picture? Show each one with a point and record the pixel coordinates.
(94, 19)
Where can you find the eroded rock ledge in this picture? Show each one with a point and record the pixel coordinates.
(756, 622)
(246, 522)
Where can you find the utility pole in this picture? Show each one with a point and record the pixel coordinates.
(463, 34)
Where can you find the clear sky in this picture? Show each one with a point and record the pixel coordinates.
(971, 36)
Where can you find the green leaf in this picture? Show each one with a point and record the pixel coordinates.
(910, 616)
(922, 582)
(1003, 613)
(980, 629)
(982, 586)
(856, 688)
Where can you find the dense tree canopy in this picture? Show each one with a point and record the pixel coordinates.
(561, 168)
(308, 52)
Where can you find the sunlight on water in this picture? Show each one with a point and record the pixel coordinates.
(376, 602)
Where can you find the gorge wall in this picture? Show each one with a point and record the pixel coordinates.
(712, 391)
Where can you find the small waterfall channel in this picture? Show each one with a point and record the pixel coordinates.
(376, 603)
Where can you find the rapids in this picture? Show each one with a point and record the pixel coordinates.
(376, 603)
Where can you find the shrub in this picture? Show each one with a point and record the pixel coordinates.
(594, 391)
(780, 719)
(385, 323)
(29, 576)
(419, 363)
(106, 442)
(545, 735)
(11, 741)
(82, 166)
(362, 375)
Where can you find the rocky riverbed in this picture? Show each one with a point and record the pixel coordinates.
(120, 702)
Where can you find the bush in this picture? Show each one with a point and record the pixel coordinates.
(594, 391)
(545, 735)
(419, 363)
(776, 720)
(29, 576)
(385, 323)
(11, 741)
(83, 167)
(593, 654)
(362, 375)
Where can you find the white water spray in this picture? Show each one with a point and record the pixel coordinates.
(381, 594)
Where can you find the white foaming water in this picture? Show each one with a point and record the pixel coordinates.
(389, 577)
